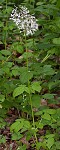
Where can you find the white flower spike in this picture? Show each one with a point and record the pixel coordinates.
(24, 21)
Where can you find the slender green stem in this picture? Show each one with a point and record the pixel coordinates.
(29, 89)
(33, 116)
(26, 53)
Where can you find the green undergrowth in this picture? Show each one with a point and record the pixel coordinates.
(30, 77)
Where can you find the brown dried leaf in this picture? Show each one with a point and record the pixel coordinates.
(24, 141)
(44, 102)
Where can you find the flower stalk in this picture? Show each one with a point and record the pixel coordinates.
(27, 24)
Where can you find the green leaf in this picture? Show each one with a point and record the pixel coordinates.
(39, 125)
(56, 41)
(36, 101)
(9, 64)
(46, 116)
(15, 72)
(36, 86)
(50, 135)
(17, 47)
(50, 142)
(2, 140)
(53, 85)
(16, 136)
(2, 98)
(2, 123)
(47, 70)
(1, 1)
(48, 96)
(1, 25)
(27, 90)
(57, 145)
(58, 3)
(50, 111)
(39, 3)
(0, 106)
(58, 22)
(39, 113)
(5, 69)
(16, 126)
(38, 145)
(20, 124)
(27, 55)
(20, 49)
(24, 77)
(5, 52)
(19, 90)
(26, 124)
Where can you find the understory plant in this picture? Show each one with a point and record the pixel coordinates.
(29, 74)
(26, 24)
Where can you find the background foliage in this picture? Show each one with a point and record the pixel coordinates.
(43, 75)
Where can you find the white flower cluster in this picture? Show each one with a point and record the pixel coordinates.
(24, 21)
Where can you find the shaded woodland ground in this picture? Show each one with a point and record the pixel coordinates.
(30, 79)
